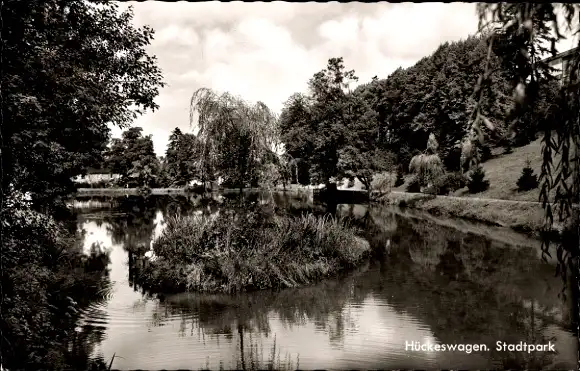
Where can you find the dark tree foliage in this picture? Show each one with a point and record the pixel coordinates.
(528, 180)
(334, 132)
(182, 158)
(434, 96)
(477, 182)
(69, 68)
(133, 158)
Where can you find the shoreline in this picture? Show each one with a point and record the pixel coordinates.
(182, 190)
(525, 217)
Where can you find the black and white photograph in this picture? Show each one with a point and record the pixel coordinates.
(206, 185)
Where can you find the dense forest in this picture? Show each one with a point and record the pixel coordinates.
(334, 132)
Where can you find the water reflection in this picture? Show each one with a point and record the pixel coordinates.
(432, 283)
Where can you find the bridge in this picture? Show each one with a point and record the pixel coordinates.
(340, 196)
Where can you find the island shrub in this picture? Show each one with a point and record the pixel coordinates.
(242, 251)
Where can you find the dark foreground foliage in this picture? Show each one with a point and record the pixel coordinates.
(46, 281)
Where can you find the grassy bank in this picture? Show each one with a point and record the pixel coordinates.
(501, 204)
(247, 251)
(523, 216)
(503, 171)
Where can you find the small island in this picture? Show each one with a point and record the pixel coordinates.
(249, 250)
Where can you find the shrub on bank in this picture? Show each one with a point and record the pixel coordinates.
(477, 182)
(47, 281)
(232, 252)
(383, 182)
(528, 180)
(450, 182)
(414, 186)
(400, 180)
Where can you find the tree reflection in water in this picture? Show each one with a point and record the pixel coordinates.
(466, 287)
(95, 293)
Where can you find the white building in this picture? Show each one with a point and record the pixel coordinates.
(96, 176)
(562, 62)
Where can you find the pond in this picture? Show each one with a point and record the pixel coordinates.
(436, 281)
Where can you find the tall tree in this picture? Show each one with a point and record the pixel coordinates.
(297, 135)
(133, 158)
(363, 156)
(69, 69)
(329, 118)
(234, 136)
(182, 157)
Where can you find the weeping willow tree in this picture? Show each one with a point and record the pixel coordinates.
(235, 137)
(532, 30)
(427, 166)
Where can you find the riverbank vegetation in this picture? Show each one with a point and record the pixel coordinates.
(68, 70)
(250, 250)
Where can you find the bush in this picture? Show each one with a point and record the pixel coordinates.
(382, 182)
(232, 252)
(477, 182)
(414, 186)
(450, 182)
(400, 179)
(144, 191)
(528, 180)
(47, 281)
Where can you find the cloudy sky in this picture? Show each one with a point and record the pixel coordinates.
(267, 51)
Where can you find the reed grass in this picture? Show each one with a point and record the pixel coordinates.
(233, 252)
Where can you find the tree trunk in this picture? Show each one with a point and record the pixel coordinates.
(296, 171)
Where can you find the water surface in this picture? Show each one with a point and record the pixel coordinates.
(433, 284)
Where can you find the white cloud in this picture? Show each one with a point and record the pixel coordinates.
(267, 51)
(177, 35)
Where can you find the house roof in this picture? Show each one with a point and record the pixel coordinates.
(562, 55)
